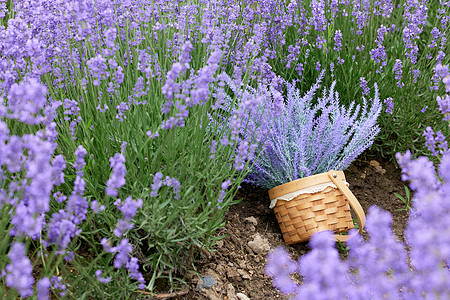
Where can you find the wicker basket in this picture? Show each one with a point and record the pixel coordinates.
(310, 212)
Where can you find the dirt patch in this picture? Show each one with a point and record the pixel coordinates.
(237, 268)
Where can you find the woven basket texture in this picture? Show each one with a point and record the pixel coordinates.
(307, 214)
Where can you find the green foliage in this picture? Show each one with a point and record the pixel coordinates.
(407, 200)
(8, 13)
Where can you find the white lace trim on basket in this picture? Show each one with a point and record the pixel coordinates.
(309, 190)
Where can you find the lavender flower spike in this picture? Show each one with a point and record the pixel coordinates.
(117, 179)
(43, 289)
(280, 266)
(19, 271)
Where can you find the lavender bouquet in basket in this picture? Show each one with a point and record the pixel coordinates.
(314, 136)
(307, 141)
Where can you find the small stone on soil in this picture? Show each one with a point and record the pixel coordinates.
(243, 274)
(231, 292)
(250, 227)
(259, 244)
(242, 296)
(207, 283)
(252, 220)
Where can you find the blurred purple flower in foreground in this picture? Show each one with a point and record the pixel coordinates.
(43, 289)
(19, 271)
(280, 266)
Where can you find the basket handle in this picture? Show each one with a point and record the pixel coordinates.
(338, 181)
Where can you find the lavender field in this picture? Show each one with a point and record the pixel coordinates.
(128, 126)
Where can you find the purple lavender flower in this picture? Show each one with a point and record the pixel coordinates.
(152, 135)
(332, 69)
(415, 15)
(96, 208)
(446, 81)
(416, 74)
(222, 193)
(25, 100)
(69, 256)
(123, 147)
(29, 214)
(19, 271)
(330, 277)
(435, 33)
(378, 54)
(320, 41)
(122, 108)
(157, 184)
(80, 163)
(444, 106)
(175, 184)
(419, 172)
(427, 234)
(318, 11)
(440, 57)
(431, 141)
(58, 285)
(117, 179)
(98, 274)
(337, 41)
(382, 255)
(25, 222)
(59, 164)
(170, 182)
(366, 89)
(280, 267)
(11, 153)
(185, 56)
(110, 36)
(383, 8)
(98, 68)
(43, 289)
(77, 204)
(299, 69)
(171, 87)
(129, 210)
(389, 105)
(61, 229)
(122, 227)
(129, 207)
(318, 66)
(441, 70)
(239, 162)
(123, 251)
(213, 148)
(398, 72)
(133, 267)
